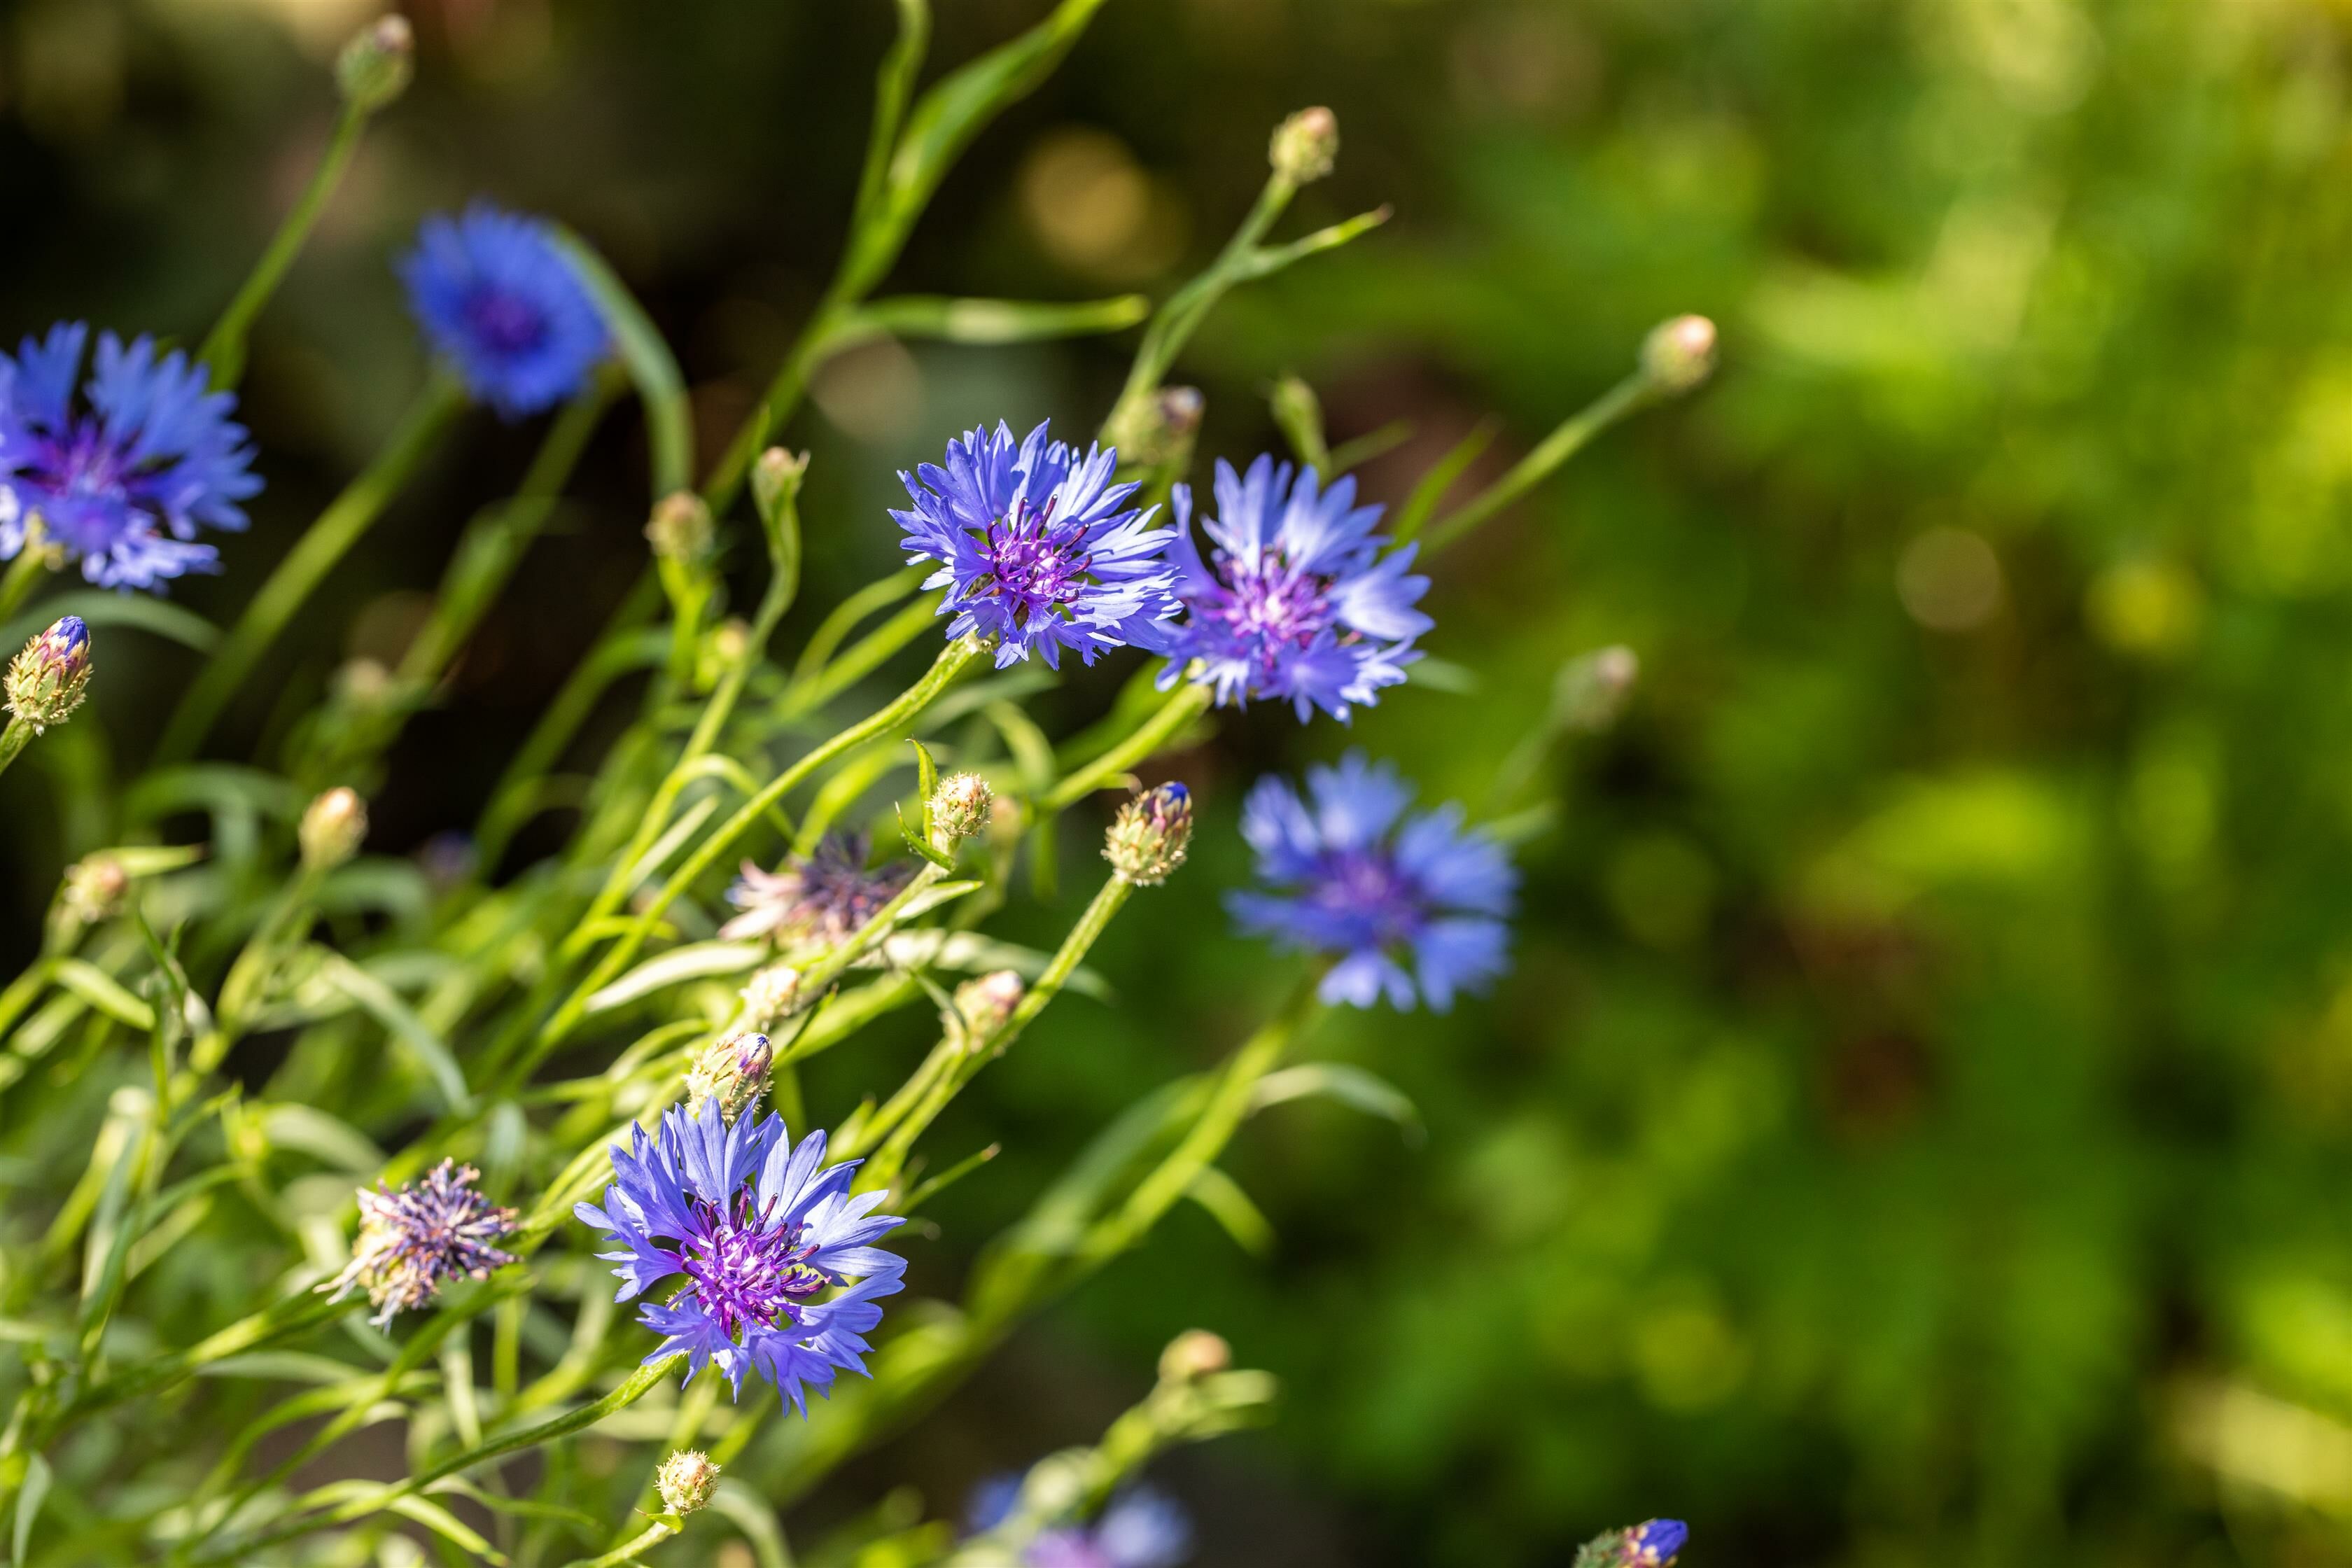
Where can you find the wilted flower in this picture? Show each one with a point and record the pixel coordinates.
(826, 895)
(123, 483)
(1149, 836)
(411, 1240)
(1141, 1528)
(495, 295)
(686, 1480)
(47, 679)
(1651, 1544)
(1036, 547)
(773, 996)
(1295, 602)
(781, 1277)
(959, 808)
(733, 1072)
(1354, 876)
(332, 829)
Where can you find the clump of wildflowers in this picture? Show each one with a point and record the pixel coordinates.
(1654, 1543)
(686, 1480)
(733, 1073)
(1141, 1528)
(1037, 547)
(122, 480)
(1295, 601)
(781, 1273)
(1148, 838)
(47, 679)
(1353, 876)
(497, 298)
(411, 1240)
(825, 896)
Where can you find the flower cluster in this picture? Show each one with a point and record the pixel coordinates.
(824, 895)
(1037, 547)
(1355, 878)
(413, 1240)
(495, 296)
(781, 1272)
(1295, 601)
(120, 479)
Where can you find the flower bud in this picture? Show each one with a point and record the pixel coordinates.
(47, 680)
(1592, 691)
(732, 1071)
(960, 807)
(332, 829)
(983, 1006)
(775, 477)
(1679, 354)
(1148, 839)
(374, 67)
(686, 1480)
(1305, 146)
(1654, 1543)
(1157, 431)
(1192, 1354)
(772, 996)
(681, 529)
(95, 886)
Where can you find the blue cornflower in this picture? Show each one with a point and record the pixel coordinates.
(780, 1275)
(1037, 548)
(1295, 602)
(1139, 1529)
(1355, 877)
(493, 293)
(124, 481)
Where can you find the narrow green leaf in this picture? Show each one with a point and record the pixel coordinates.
(29, 1498)
(993, 320)
(394, 1014)
(1230, 1207)
(134, 612)
(695, 960)
(103, 992)
(669, 416)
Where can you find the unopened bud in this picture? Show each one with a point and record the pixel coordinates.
(332, 829)
(772, 996)
(686, 1480)
(681, 529)
(775, 478)
(1592, 689)
(1654, 1543)
(364, 683)
(732, 1071)
(1148, 839)
(1192, 1354)
(960, 807)
(983, 1006)
(1157, 431)
(1305, 146)
(1679, 354)
(374, 67)
(95, 886)
(47, 680)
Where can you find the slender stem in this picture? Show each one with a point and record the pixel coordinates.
(24, 573)
(846, 615)
(1186, 703)
(340, 527)
(224, 350)
(1571, 436)
(661, 1529)
(866, 654)
(951, 662)
(1174, 321)
(13, 740)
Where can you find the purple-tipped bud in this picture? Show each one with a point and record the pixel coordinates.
(47, 680)
(374, 67)
(1655, 1543)
(734, 1072)
(686, 1480)
(1305, 146)
(1679, 354)
(1147, 840)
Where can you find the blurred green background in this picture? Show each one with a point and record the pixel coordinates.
(1917, 1129)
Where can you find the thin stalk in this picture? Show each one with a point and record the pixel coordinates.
(223, 353)
(1174, 321)
(869, 654)
(1636, 391)
(13, 740)
(1186, 703)
(24, 573)
(340, 527)
(661, 1529)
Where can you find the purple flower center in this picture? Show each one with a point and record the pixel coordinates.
(85, 483)
(1364, 892)
(1033, 566)
(503, 322)
(1266, 603)
(746, 1270)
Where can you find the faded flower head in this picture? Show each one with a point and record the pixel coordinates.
(374, 68)
(1351, 875)
(982, 1007)
(411, 1240)
(332, 828)
(499, 300)
(1295, 601)
(773, 996)
(960, 807)
(47, 679)
(780, 1273)
(1305, 146)
(1142, 1528)
(733, 1072)
(122, 480)
(825, 897)
(1654, 1543)
(1148, 838)
(1037, 547)
(686, 1480)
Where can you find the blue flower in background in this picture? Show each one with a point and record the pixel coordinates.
(1354, 876)
(493, 293)
(1037, 548)
(1139, 1529)
(781, 1272)
(1295, 602)
(124, 481)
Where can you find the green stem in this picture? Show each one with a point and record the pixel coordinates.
(630, 1551)
(224, 350)
(1186, 703)
(340, 527)
(869, 654)
(24, 573)
(13, 740)
(1570, 438)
